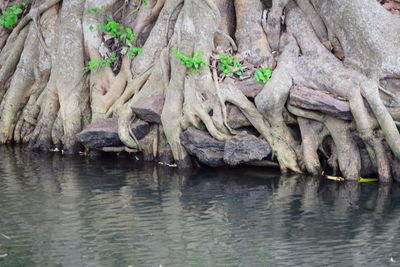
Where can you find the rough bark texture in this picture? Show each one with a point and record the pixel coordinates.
(332, 104)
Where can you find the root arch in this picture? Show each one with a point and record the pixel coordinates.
(324, 47)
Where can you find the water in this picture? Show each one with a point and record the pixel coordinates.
(117, 212)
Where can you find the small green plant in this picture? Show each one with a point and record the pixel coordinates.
(144, 2)
(95, 9)
(228, 64)
(134, 51)
(125, 34)
(94, 63)
(10, 17)
(113, 28)
(116, 30)
(192, 63)
(263, 74)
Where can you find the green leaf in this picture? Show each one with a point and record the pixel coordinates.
(239, 73)
(18, 11)
(199, 54)
(367, 180)
(263, 74)
(91, 27)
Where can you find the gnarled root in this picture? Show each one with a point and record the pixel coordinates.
(47, 97)
(252, 42)
(18, 94)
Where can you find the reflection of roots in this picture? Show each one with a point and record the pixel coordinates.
(46, 98)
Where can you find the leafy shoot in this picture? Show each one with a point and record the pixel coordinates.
(263, 74)
(124, 34)
(10, 17)
(192, 63)
(229, 64)
(94, 63)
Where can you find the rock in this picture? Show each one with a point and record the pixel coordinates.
(249, 87)
(236, 118)
(245, 148)
(104, 133)
(101, 133)
(140, 128)
(202, 146)
(316, 100)
(149, 108)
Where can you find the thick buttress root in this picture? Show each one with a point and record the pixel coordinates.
(46, 96)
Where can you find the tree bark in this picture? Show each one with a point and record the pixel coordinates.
(333, 98)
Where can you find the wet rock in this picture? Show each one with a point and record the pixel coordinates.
(204, 147)
(236, 118)
(95, 154)
(245, 148)
(149, 108)
(104, 133)
(101, 133)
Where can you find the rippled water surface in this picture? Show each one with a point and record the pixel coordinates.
(57, 211)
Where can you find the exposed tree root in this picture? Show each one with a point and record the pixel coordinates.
(46, 96)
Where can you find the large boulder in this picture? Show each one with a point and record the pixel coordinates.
(202, 146)
(245, 148)
(104, 133)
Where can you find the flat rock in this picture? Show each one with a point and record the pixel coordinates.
(321, 101)
(204, 147)
(236, 118)
(104, 133)
(245, 148)
(149, 108)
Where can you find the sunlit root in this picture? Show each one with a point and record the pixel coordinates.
(18, 94)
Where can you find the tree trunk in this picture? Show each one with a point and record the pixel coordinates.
(331, 105)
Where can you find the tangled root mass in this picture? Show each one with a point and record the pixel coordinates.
(331, 105)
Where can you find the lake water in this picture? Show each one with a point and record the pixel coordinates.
(72, 211)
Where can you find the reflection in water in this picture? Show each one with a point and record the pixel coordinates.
(118, 212)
